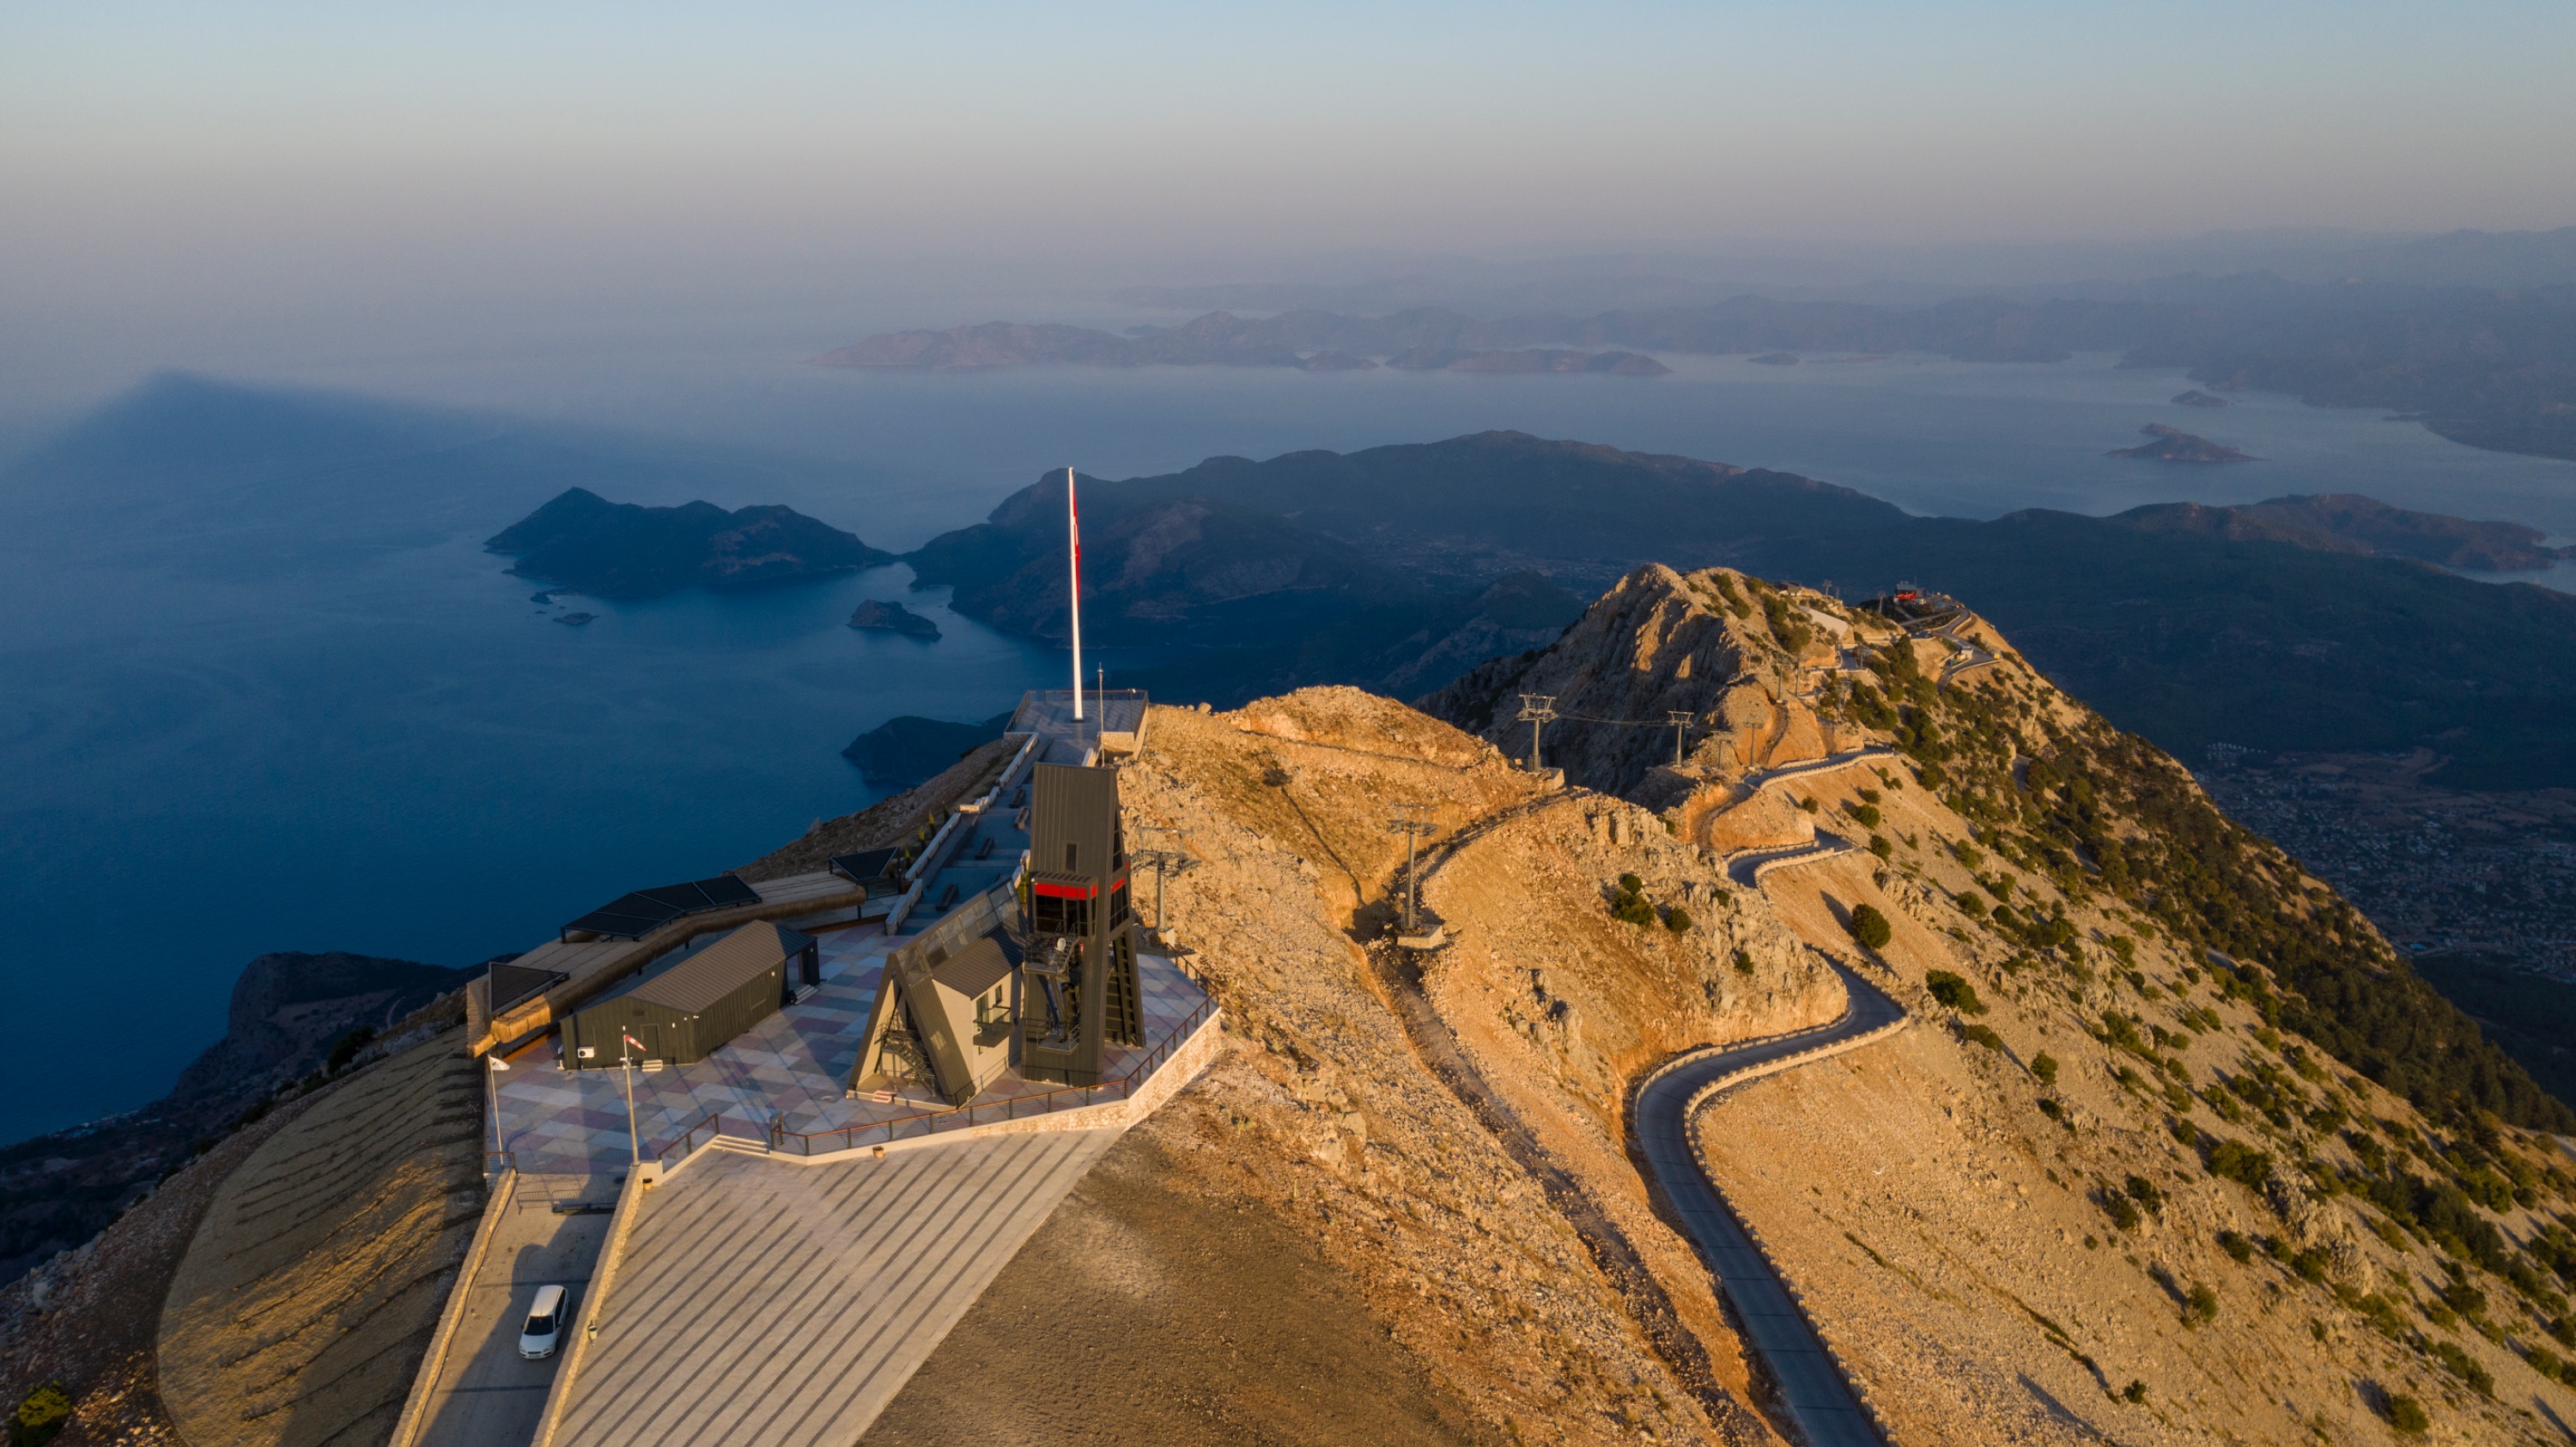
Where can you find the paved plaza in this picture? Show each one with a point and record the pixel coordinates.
(795, 1065)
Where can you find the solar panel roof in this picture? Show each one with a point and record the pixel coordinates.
(633, 916)
(514, 983)
(873, 867)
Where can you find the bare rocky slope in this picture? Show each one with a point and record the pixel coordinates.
(2151, 1174)
(2192, 1157)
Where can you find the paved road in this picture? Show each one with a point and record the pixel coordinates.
(1816, 1394)
(1745, 866)
(486, 1394)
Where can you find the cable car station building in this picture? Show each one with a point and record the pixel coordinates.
(968, 1020)
(1047, 989)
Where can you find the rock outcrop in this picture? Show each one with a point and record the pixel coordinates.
(1730, 653)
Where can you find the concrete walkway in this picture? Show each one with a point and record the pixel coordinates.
(760, 1304)
(1811, 1385)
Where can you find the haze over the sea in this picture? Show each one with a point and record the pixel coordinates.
(332, 721)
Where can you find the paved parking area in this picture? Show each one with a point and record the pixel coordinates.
(487, 1395)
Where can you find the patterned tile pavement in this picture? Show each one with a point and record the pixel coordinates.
(795, 1064)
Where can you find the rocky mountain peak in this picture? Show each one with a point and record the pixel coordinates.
(1740, 657)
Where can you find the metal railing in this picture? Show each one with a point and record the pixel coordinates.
(932, 1122)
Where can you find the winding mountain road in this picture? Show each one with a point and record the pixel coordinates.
(1825, 1406)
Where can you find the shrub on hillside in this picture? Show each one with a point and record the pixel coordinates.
(2465, 1367)
(1866, 815)
(1629, 905)
(41, 1416)
(2236, 1161)
(2200, 1307)
(1677, 919)
(2407, 1415)
(1870, 927)
(1953, 991)
(2144, 1192)
(2044, 1066)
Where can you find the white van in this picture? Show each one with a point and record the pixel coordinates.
(546, 1317)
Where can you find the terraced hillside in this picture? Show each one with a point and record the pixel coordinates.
(301, 1310)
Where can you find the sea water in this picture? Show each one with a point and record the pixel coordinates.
(298, 707)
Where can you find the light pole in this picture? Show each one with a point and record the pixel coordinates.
(626, 1068)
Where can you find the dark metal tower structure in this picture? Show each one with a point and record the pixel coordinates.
(1079, 973)
(1538, 710)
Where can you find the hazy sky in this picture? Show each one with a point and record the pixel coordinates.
(239, 159)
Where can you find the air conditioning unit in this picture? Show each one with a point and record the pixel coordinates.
(588, 1051)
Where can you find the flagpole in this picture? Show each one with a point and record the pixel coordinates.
(1073, 571)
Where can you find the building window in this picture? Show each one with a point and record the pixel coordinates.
(1052, 914)
(1072, 858)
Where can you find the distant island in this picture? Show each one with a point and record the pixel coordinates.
(1423, 341)
(2488, 368)
(1529, 359)
(2172, 444)
(625, 551)
(876, 616)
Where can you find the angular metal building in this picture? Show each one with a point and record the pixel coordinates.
(943, 1018)
(681, 1013)
(1078, 991)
